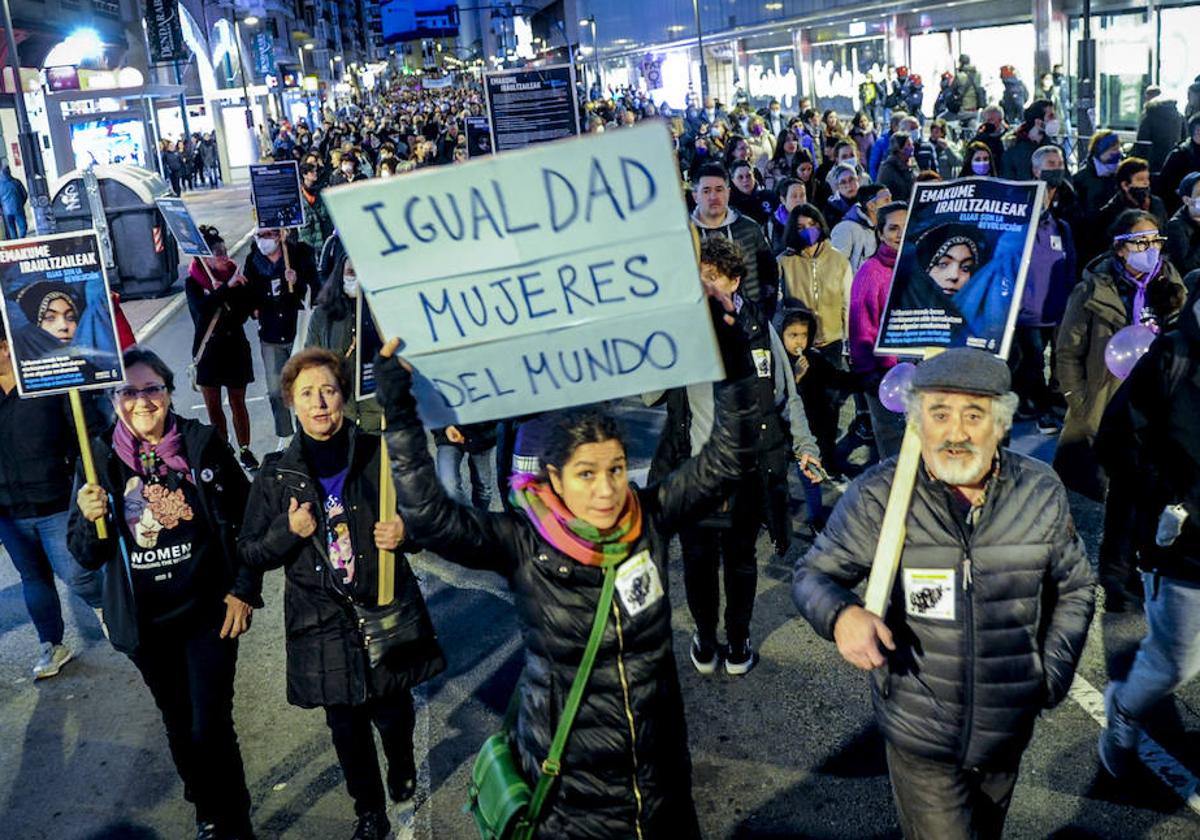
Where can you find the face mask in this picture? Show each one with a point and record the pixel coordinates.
(1144, 262)
(350, 285)
(906, 154)
(1139, 194)
(1052, 177)
(266, 245)
(810, 236)
(348, 168)
(981, 167)
(1052, 128)
(1104, 170)
(756, 130)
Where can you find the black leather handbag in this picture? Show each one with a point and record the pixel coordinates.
(387, 628)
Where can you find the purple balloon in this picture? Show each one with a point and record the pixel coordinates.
(1126, 347)
(895, 385)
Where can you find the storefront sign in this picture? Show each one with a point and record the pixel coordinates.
(556, 276)
(164, 32)
(961, 268)
(183, 227)
(275, 191)
(58, 314)
(531, 106)
(62, 78)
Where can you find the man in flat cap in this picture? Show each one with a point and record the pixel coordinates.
(989, 612)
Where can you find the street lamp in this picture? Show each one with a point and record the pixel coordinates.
(700, 50)
(43, 214)
(590, 20)
(249, 20)
(308, 47)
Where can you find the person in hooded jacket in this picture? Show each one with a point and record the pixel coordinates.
(176, 595)
(1095, 182)
(13, 197)
(1133, 193)
(817, 275)
(314, 511)
(1131, 284)
(1182, 160)
(318, 226)
(1161, 126)
(1183, 229)
(854, 236)
(1040, 127)
(714, 217)
(625, 769)
(1015, 94)
(746, 197)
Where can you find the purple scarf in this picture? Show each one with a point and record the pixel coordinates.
(141, 456)
(1139, 295)
(781, 215)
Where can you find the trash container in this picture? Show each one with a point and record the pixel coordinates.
(144, 252)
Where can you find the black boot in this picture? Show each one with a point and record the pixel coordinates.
(373, 825)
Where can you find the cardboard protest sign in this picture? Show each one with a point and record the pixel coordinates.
(275, 191)
(534, 280)
(58, 314)
(531, 106)
(366, 336)
(183, 227)
(961, 268)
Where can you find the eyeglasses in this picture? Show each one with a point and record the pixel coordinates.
(1145, 243)
(150, 392)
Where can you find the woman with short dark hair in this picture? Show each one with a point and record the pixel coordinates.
(314, 510)
(176, 596)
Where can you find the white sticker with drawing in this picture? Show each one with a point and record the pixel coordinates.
(929, 593)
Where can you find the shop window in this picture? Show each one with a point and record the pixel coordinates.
(931, 56)
(771, 74)
(1123, 50)
(991, 47)
(1177, 67)
(838, 69)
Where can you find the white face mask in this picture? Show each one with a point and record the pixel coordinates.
(350, 285)
(1052, 128)
(266, 245)
(1193, 206)
(348, 168)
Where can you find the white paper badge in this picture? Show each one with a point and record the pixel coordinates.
(929, 593)
(638, 583)
(762, 362)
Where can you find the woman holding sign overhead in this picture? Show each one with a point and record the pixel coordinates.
(315, 511)
(583, 549)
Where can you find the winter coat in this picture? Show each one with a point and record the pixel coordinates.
(1095, 311)
(898, 177)
(317, 224)
(275, 304)
(226, 361)
(12, 195)
(1162, 127)
(968, 87)
(1051, 274)
(761, 282)
(38, 449)
(1017, 164)
(1182, 160)
(326, 662)
(1092, 189)
(1097, 241)
(979, 655)
(822, 283)
(625, 770)
(868, 297)
(1150, 438)
(222, 487)
(1183, 241)
(1013, 100)
(948, 160)
(854, 237)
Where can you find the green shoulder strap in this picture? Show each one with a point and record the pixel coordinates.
(551, 766)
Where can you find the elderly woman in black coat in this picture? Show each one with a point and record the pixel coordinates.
(314, 510)
(625, 770)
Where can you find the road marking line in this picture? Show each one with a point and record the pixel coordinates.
(1160, 762)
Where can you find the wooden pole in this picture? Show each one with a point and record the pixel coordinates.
(287, 263)
(894, 530)
(387, 513)
(85, 452)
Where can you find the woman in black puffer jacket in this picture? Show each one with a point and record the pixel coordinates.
(626, 771)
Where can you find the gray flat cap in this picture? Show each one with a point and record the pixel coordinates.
(963, 370)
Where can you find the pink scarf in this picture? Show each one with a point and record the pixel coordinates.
(146, 458)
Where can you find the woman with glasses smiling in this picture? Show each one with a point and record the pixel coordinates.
(176, 597)
(1131, 283)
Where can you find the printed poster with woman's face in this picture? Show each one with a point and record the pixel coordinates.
(961, 268)
(58, 314)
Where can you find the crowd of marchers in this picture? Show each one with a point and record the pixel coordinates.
(799, 219)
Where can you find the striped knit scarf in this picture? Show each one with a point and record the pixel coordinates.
(570, 534)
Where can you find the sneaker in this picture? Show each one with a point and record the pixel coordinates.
(206, 831)
(402, 786)
(372, 826)
(740, 658)
(1119, 739)
(249, 462)
(704, 655)
(1048, 424)
(51, 661)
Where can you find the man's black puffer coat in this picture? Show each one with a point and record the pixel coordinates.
(326, 662)
(626, 771)
(964, 690)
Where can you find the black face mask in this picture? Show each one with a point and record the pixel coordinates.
(1139, 194)
(1052, 177)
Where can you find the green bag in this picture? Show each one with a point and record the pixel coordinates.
(498, 796)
